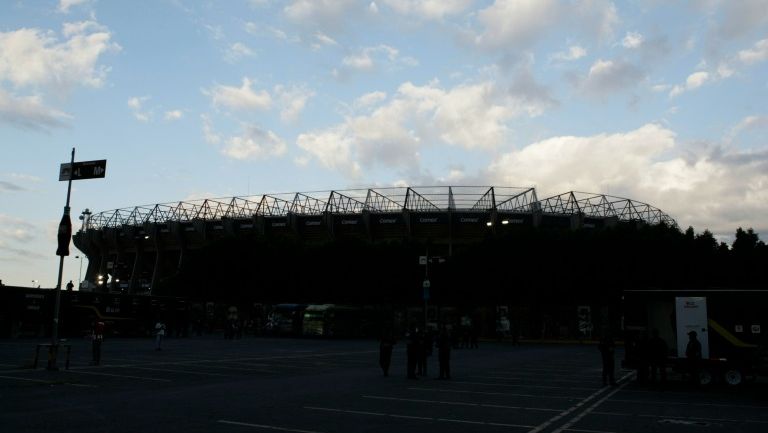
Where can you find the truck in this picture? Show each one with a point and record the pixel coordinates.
(729, 325)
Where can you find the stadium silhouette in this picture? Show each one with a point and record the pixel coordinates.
(138, 249)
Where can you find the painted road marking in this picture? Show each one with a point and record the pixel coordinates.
(267, 427)
(693, 418)
(117, 375)
(47, 382)
(461, 391)
(678, 403)
(182, 371)
(509, 385)
(573, 408)
(425, 418)
(536, 378)
(585, 412)
(461, 403)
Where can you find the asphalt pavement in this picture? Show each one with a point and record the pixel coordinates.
(208, 384)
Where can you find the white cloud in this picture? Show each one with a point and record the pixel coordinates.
(608, 76)
(758, 53)
(239, 98)
(369, 99)
(173, 115)
(574, 52)
(719, 191)
(136, 104)
(328, 16)
(33, 57)
(65, 5)
(369, 57)
(694, 81)
(237, 51)
(293, 100)
(254, 143)
(750, 123)
(632, 40)
(324, 39)
(519, 24)
(29, 112)
(429, 9)
(470, 116)
(209, 134)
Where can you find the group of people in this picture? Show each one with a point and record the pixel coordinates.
(650, 355)
(419, 347)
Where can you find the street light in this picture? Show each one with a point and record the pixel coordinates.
(80, 278)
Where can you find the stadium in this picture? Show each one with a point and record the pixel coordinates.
(136, 249)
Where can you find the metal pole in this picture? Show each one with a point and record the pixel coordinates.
(426, 278)
(80, 277)
(55, 331)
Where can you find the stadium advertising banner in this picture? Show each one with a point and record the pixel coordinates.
(348, 224)
(276, 225)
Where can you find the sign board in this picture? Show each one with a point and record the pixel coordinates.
(437, 259)
(426, 284)
(739, 328)
(691, 313)
(83, 170)
(755, 329)
(422, 260)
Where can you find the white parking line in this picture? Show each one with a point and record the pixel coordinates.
(584, 413)
(116, 375)
(679, 403)
(578, 405)
(267, 427)
(464, 421)
(553, 379)
(461, 391)
(692, 418)
(182, 371)
(461, 403)
(509, 385)
(47, 382)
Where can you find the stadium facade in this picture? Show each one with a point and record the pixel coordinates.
(130, 250)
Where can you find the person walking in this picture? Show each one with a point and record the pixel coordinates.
(444, 344)
(385, 351)
(693, 354)
(412, 349)
(159, 334)
(607, 349)
(97, 337)
(658, 356)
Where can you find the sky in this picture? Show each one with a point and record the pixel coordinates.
(664, 102)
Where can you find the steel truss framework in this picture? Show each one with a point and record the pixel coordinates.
(385, 200)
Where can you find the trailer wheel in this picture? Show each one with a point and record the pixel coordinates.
(733, 376)
(705, 377)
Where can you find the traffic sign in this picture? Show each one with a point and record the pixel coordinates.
(83, 170)
(422, 260)
(437, 259)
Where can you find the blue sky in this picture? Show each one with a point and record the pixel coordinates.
(660, 101)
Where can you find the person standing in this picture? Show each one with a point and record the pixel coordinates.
(159, 334)
(444, 345)
(70, 286)
(693, 354)
(97, 336)
(658, 356)
(412, 349)
(607, 349)
(385, 351)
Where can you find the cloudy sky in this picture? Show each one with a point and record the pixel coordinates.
(661, 101)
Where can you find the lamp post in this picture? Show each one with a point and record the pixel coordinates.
(80, 277)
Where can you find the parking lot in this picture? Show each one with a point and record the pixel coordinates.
(302, 385)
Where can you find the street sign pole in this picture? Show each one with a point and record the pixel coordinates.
(54, 348)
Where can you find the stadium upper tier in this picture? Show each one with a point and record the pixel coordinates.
(460, 199)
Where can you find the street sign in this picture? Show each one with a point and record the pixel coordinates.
(437, 259)
(422, 260)
(426, 284)
(83, 170)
